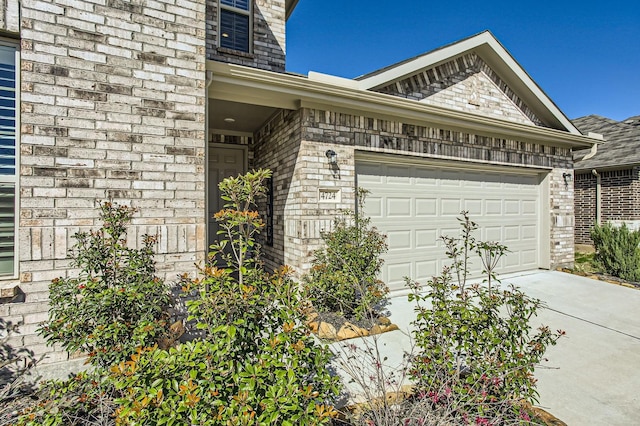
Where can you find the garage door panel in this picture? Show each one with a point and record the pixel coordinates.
(474, 207)
(512, 206)
(492, 207)
(511, 234)
(491, 233)
(529, 233)
(427, 238)
(492, 185)
(426, 269)
(511, 260)
(425, 178)
(529, 207)
(529, 257)
(450, 206)
(473, 184)
(399, 240)
(426, 207)
(398, 207)
(370, 173)
(374, 208)
(396, 273)
(415, 205)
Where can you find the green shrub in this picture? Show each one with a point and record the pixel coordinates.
(116, 303)
(477, 349)
(343, 277)
(617, 250)
(256, 362)
(253, 361)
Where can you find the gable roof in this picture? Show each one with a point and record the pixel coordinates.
(489, 49)
(621, 147)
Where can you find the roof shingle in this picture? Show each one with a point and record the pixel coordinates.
(622, 142)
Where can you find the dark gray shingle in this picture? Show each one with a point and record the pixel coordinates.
(622, 142)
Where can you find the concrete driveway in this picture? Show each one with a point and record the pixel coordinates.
(594, 373)
(592, 376)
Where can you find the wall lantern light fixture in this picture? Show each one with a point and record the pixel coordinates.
(331, 156)
(567, 178)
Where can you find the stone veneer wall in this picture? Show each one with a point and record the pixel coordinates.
(267, 41)
(301, 170)
(620, 198)
(113, 107)
(468, 84)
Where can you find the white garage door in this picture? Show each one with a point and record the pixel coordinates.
(415, 204)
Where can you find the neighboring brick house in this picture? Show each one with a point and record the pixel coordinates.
(151, 104)
(607, 183)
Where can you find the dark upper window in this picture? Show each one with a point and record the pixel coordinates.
(235, 24)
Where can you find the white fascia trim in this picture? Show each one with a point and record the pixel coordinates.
(425, 61)
(447, 53)
(336, 81)
(251, 85)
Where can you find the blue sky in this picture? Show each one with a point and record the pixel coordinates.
(584, 54)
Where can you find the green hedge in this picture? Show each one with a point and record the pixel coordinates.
(617, 250)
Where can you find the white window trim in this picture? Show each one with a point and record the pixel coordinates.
(248, 13)
(15, 179)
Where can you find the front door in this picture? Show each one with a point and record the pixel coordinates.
(224, 161)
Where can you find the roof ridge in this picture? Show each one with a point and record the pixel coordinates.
(404, 61)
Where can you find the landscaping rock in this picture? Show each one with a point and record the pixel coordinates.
(311, 317)
(351, 331)
(383, 321)
(390, 327)
(326, 331)
(376, 329)
(332, 326)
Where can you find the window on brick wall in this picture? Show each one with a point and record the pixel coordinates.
(9, 167)
(235, 24)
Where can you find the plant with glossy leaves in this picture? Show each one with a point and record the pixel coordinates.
(116, 303)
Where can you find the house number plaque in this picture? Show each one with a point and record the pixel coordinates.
(329, 195)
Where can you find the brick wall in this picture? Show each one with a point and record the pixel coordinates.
(113, 106)
(562, 215)
(10, 16)
(301, 170)
(619, 197)
(468, 84)
(277, 148)
(267, 45)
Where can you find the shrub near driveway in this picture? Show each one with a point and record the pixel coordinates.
(617, 251)
(477, 351)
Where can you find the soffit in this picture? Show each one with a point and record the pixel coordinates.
(236, 83)
(237, 117)
(289, 5)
